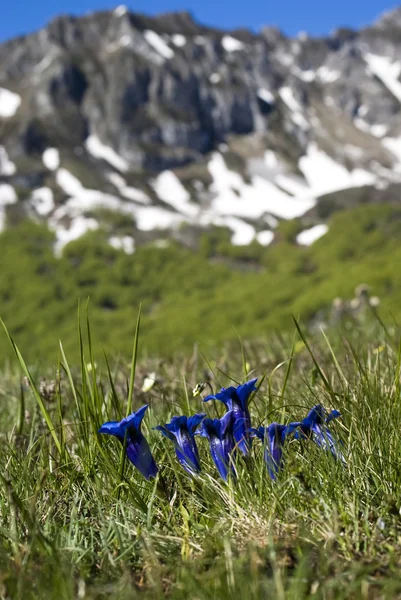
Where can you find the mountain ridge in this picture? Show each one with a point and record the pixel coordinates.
(171, 122)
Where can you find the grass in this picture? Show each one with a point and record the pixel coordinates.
(77, 522)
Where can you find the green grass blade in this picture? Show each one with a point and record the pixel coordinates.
(21, 416)
(130, 396)
(288, 371)
(133, 364)
(77, 399)
(323, 377)
(114, 395)
(335, 360)
(35, 391)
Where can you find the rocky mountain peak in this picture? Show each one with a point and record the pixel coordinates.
(168, 122)
(390, 19)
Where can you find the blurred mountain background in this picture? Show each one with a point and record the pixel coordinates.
(223, 179)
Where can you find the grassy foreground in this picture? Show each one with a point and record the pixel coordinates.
(74, 526)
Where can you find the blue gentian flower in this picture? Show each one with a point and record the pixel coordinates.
(137, 448)
(220, 433)
(236, 400)
(181, 431)
(274, 437)
(314, 427)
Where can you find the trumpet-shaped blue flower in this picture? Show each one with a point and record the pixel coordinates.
(220, 433)
(236, 400)
(274, 437)
(137, 448)
(314, 427)
(181, 431)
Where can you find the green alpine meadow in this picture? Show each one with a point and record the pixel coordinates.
(191, 297)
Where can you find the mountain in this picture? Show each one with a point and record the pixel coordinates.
(153, 128)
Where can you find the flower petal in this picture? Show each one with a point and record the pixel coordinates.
(315, 416)
(291, 427)
(134, 420)
(225, 395)
(176, 424)
(226, 424)
(241, 435)
(333, 415)
(244, 391)
(183, 462)
(112, 428)
(273, 461)
(219, 432)
(180, 432)
(259, 433)
(188, 449)
(165, 432)
(324, 439)
(274, 449)
(211, 427)
(138, 452)
(220, 458)
(194, 420)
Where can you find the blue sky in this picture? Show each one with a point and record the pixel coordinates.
(317, 17)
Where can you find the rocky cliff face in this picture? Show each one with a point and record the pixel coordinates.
(165, 121)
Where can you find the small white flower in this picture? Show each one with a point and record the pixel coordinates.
(148, 382)
(381, 524)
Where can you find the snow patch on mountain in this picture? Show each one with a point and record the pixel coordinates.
(121, 10)
(68, 182)
(265, 95)
(287, 96)
(326, 75)
(51, 159)
(242, 233)
(77, 228)
(309, 236)
(308, 76)
(179, 40)
(96, 148)
(42, 200)
(170, 189)
(265, 237)
(7, 167)
(125, 243)
(377, 130)
(123, 42)
(324, 175)
(87, 200)
(9, 103)
(215, 78)
(7, 196)
(387, 71)
(231, 44)
(127, 191)
(147, 218)
(150, 218)
(234, 197)
(158, 44)
(292, 184)
(271, 159)
(394, 145)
